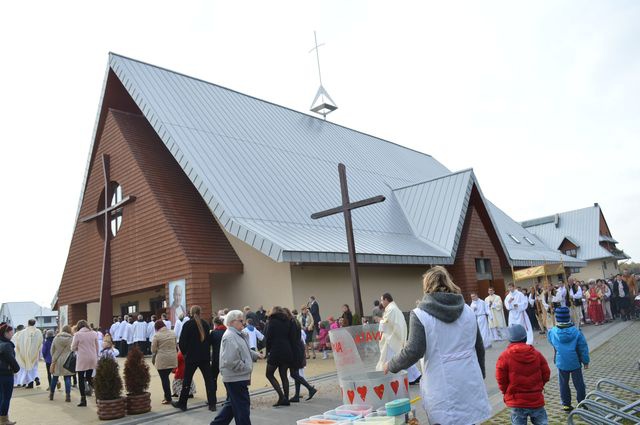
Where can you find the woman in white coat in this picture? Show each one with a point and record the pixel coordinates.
(444, 332)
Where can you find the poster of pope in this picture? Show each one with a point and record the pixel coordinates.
(177, 300)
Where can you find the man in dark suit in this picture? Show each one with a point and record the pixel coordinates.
(314, 309)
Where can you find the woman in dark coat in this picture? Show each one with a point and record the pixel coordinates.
(278, 336)
(8, 367)
(195, 346)
(347, 315)
(299, 362)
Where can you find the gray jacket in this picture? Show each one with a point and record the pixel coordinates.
(443, 306)
(236, 359)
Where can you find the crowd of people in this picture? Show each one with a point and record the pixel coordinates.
(229, 344)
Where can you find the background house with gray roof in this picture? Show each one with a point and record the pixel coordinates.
(582, 234)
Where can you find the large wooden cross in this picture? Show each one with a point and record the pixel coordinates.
(105, 305)
(345, 209)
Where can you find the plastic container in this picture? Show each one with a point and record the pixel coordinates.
(376, 420)
(333, 416)
(322, 421)
(350, 416)
(398, 407)
(354, 409)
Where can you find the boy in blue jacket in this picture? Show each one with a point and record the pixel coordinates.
(571, 352)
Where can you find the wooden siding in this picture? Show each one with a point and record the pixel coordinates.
(167, 233)
(478, 240)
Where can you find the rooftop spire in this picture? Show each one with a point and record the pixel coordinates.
(322, 104)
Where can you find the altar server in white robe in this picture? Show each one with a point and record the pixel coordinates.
(140, 332)
(178, 327)
(167, 322)
(394, 336)
(112, 329)
(28, 344)
(497, 322)
(481, 311)
(151, 331)
(516, 302)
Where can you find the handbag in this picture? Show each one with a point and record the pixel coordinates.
(70, 362)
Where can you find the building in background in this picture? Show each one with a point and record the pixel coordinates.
(19, 313)
(582, 234)
(215, 189)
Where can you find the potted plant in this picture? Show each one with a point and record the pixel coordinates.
(136, 381)
(108, 390)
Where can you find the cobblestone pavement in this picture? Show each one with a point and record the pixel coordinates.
(616, 359)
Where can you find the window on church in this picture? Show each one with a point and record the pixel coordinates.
(528, 240)
(571, 252)
(483, 269)
(516, 240)
(116, 216)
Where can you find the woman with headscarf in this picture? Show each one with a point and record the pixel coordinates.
(444, 331)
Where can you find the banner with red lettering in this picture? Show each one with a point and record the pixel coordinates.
(355, 348)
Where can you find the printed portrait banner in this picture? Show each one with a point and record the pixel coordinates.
(63, 316)
(177, 299)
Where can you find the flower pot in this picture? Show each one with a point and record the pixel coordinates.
(111, 409)
(137, 404)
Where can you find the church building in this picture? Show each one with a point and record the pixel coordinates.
(198, 194)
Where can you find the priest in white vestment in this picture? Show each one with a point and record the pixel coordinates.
(178, 327)
(481, 311)
(497, 322)
(151, 331)
(394, 336)
(28, 344)
(516, 302)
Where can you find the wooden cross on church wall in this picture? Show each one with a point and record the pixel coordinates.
(345, 209)
(111, 210)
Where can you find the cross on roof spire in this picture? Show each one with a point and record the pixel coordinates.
(322, 104)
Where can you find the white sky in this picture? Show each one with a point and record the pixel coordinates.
(541, 99)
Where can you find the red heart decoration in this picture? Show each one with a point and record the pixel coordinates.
(406, 384)
(362, 391)
(351, 394)
(394, 386)
(379, 390)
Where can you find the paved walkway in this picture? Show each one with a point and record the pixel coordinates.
(616, 359)
(614, 356)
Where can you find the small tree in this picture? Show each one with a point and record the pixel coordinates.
(136, 373)
(107, 383)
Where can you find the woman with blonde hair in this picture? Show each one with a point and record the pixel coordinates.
(444, 332)
(195, 347)
(60, 350)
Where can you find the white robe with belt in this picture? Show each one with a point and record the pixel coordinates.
(517, 304)
(481, 311)
(28, 344)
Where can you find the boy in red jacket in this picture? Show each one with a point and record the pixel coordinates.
(521, 373)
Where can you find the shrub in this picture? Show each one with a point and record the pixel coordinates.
(107, 383)
(136, 372)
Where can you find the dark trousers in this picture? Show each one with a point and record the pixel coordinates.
(215, 371)
(578, 383)
(124, 348)
(166, 385)
(283, 393)
(624, 307)
(299, 380)
(6, 391)
(67, 384)
(48, 374)
(237, 406)
(84, 375)
(189, 370)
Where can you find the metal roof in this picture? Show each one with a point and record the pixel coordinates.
(530, 251)
(263, 169)
(582, 226)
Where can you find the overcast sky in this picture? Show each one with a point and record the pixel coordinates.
(541, 99)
